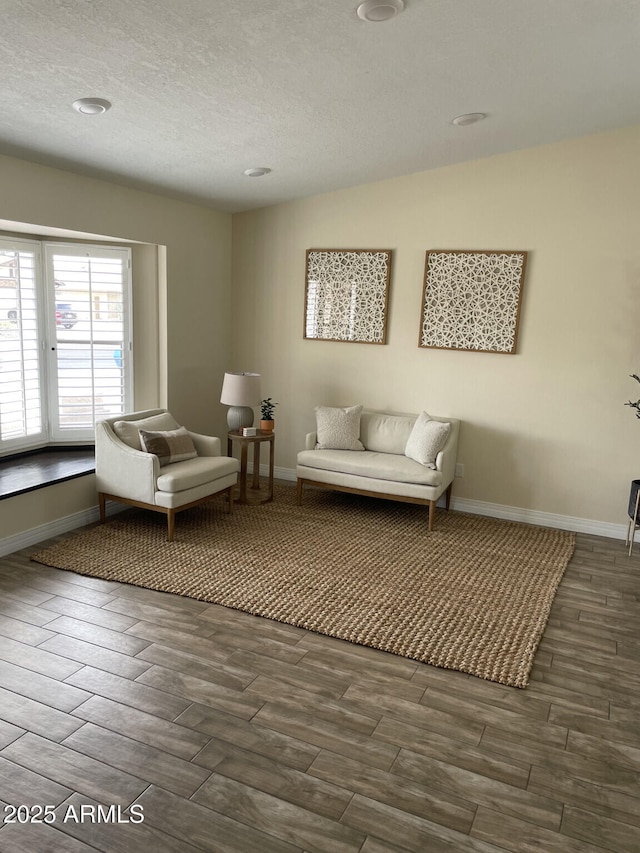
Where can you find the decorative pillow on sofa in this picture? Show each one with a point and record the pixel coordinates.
(338, 429)
(427, 439)
(174, 445)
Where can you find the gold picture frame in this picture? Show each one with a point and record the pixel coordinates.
(347, 295)
(471, 300)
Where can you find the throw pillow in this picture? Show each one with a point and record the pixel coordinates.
(174, 445)
(427, 439)
(128, 431)
(338, 429)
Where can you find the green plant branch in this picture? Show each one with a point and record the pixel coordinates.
(267, 407)
(635, 405)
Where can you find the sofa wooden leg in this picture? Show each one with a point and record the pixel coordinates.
(171, 524)
(102, 503)
(299, 492)
(447, 496)
(432, 512)
(230, 497)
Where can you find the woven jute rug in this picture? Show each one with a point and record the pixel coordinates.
(473, 595)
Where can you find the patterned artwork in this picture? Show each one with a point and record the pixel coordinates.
(347, 291)
(471, 300)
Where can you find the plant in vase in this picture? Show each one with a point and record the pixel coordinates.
(634, 495)
(267, 407)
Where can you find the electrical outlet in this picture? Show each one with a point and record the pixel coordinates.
(459, 469)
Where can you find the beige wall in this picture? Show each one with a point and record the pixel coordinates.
(46, 507)
(184, 323)
(544, 430)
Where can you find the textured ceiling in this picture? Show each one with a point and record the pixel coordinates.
(202, 90)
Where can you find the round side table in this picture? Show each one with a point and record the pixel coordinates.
(234, 436)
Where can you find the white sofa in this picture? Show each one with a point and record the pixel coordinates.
(382, 469)
(127, 474)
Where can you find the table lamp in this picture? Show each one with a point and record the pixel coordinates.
(240, 391)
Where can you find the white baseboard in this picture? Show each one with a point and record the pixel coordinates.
(511, 513)
(542, 519)
(280, 473)
(10, 544)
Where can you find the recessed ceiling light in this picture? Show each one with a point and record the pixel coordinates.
(376, 11)
(257, 172)
(91, 106)
(468, 118)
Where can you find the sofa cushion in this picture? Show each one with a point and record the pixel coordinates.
(173, 445)
(427, 439)
(384, 432)
(380, 466)
(195, 472)
(338, 429)
(128, 431)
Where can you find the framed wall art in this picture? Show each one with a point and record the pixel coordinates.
(347, 294)
(471, 300)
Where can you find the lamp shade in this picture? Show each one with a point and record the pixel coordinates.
(240, 389)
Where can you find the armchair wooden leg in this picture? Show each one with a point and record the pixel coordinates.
(102, 503)
(171, 524)
(299, 492)
(230, 498)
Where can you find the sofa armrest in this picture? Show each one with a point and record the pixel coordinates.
(121, 470)
(446, 458)
(206, 445)
(310, 441)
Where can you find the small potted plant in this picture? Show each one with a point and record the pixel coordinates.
(266, 414)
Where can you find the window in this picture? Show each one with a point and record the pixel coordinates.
(65, 346)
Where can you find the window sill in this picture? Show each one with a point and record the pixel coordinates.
(40, 468)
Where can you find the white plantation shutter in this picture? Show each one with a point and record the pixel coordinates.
(90, 354)
(22, 421)
(65, 342)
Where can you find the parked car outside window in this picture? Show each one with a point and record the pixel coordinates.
(65, 316)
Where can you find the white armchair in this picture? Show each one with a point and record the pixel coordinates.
(126, 473)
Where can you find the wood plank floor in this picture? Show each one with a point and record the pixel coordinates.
(234, 733)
